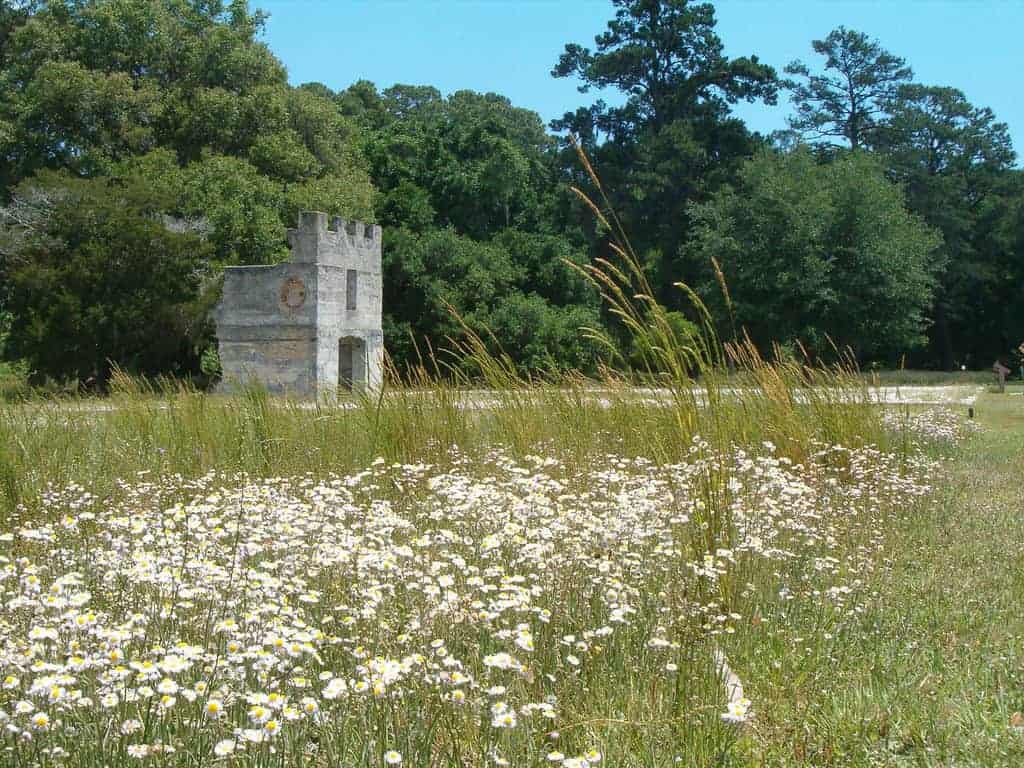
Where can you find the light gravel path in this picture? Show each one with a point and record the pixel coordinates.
(950, 395)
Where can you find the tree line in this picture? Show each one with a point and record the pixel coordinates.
(147, 144)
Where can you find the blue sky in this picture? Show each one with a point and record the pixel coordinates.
(509, 47)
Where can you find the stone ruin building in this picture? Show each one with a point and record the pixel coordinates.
(312, 325)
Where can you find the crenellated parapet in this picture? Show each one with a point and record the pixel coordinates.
(336, 241)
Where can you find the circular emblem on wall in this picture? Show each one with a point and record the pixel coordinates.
(293, 293)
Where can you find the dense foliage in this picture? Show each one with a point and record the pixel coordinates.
(100, 277)
(819, 255)
(673, 141)
(145, 144)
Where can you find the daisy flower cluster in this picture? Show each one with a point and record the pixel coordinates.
(482, 611)
(935, 425)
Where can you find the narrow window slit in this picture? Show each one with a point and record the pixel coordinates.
(351, 288)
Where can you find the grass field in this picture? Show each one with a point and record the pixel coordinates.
(927, 671)
(198, 581)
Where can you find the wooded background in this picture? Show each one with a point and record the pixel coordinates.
(146, 144)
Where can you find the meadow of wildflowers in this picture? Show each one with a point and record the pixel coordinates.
(552, 580)
(485, 608)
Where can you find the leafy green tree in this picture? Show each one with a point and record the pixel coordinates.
(13, 15)
(819, 254)
(240, 211)
(98, 277)
(360, 101)
(420, 103)
(470, 161)
(409, 205)
(433, 272)
(90, 84)
(848, 100)
(672, 142)
(238, 205)
(93, 81)
(492, 286)
(665, 56)
(935, 130)
(545, 260)
(955, 162)
(990, 321)
(541, 337)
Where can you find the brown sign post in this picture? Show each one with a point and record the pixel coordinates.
(1001, 372)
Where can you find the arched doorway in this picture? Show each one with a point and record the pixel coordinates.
(351, 363)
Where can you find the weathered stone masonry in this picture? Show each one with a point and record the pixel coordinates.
(312, 325)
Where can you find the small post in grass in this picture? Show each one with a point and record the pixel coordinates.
(1000, 371)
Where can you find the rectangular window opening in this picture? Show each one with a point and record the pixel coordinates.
(351, 288)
